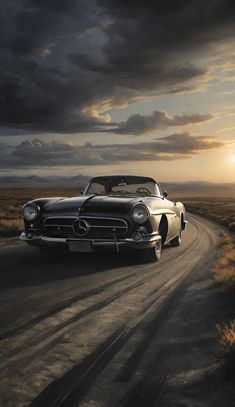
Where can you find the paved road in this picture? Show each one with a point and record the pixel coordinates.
(82, 331)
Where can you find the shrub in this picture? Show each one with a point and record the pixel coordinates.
(10, 228)
(224, 269)
(226, 334)
(232, 226)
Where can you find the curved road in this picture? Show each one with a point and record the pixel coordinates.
(82, 331)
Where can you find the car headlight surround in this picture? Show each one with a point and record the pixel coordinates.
(30, 212)
(140, 213)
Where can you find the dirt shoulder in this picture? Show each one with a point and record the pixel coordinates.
(182, 365)
(10, 241)
(199, 376)
(221, 211)
(173, 360)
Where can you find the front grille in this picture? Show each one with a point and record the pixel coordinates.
(99, 228)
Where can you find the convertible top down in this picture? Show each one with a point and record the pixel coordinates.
(114, 212)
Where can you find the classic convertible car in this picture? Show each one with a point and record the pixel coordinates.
(113, 212)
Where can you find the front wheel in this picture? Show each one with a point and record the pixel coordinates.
(153, 254)
(176, 241)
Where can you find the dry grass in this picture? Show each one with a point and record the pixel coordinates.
(10, 228)
(11, 202)
(224, 277)
(224, 269)
(226, 334)
(220, 210)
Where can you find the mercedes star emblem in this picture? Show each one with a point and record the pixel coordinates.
(81, 227)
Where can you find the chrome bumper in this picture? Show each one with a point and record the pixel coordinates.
(147, 241)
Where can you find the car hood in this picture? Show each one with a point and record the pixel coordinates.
(90, 205)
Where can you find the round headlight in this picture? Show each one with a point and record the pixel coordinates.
(140, 214)
(30, 212)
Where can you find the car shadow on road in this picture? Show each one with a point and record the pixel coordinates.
(30, 268)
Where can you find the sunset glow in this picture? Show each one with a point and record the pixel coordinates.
(128, 87)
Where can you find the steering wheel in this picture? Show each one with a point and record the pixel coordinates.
(143, 190)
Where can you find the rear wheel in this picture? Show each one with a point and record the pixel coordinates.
(176, 241)
(153, 254)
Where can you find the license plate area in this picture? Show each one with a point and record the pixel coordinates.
(82, 246)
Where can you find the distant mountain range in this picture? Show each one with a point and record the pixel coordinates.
(35, 180)
(175, 189)
(199, 189)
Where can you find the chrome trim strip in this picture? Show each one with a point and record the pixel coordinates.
(60, 217)
(99, 242)
(79, 217)
(109, 227)
(42, 238)
(106, 218)
(92, 226)
(185, 224)
(57, 225)
(87, 217)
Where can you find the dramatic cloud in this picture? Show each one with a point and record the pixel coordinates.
(64, 64)
(40, 153)
(138, 124)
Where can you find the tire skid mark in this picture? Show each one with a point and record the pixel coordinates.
(125, 336)
(28, 358)
(38, 338)
(62, 305)
(80, 378)
(75, 384)
(166, 283)
(70, 301)
(57, 393)
(170, 285)
(35, 339)
(152, 327)
(67, 303)
(148, 390)
(25, 360)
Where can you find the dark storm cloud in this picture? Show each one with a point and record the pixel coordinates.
(150, 45)
(138, 124)
(61, 61)
(56, 5)
(38, 93)
(40, 153)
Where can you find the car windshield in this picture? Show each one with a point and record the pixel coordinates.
(123, 187)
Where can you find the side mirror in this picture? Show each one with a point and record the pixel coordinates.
(165, 194)
(82, 192)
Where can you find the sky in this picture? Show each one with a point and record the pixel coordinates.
(118, 87)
